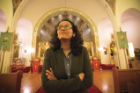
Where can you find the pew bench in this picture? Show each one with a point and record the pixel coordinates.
(10, 82)
(122, 77)
(134, 88)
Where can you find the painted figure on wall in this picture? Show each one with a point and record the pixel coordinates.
(89, 50)
(16, 52)
(89, 46)
(43, 49)
(16, 4)
(112, 49)
(112, 52)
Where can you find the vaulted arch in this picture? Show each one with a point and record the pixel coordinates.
(130, 20)
(24, 31)
(105, 29)
(3, 21)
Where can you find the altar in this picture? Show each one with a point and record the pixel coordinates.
(43, 46)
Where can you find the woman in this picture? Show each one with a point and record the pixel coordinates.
(66, 67)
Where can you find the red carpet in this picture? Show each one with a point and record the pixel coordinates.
(25, 69)
(107, 66)
(92, 89)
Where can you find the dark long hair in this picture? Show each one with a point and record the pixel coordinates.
(76, 42)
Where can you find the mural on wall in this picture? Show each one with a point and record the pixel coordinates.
(16, 51)
(113, 51)
(42, 51)
(111, 4)
(89, 46)
(16, 4)
(42, 47)
(113, 48)
(89, 50)
(49, 27)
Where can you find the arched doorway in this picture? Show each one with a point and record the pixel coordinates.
(24, 31)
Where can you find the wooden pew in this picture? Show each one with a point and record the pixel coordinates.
(137, 81)
(122, 77)
(10, 82)
(134, 88)
(131, 87)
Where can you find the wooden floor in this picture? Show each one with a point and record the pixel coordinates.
(103, 80)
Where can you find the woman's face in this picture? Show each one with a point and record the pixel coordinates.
(65, 31)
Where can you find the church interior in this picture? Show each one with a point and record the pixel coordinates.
(110, 30)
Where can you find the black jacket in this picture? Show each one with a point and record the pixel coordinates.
(79, 64)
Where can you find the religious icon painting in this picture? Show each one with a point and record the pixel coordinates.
(89, 50)
(42, 52)
(89, 46)
(16, 51)
(122, 39)
(5, 40)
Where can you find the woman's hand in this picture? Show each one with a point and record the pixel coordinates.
(50, 74)
(81, 76)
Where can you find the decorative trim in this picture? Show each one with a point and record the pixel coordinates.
(15, 5)
(111, 4)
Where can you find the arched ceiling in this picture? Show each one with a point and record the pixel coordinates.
(49, 26)
(35, 9)
(80, 21)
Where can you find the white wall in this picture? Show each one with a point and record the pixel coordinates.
(123, 5)
(130, 21)
(35, 9)
(24, 30)
(3, 21)
(104, 30)
(7, 7)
